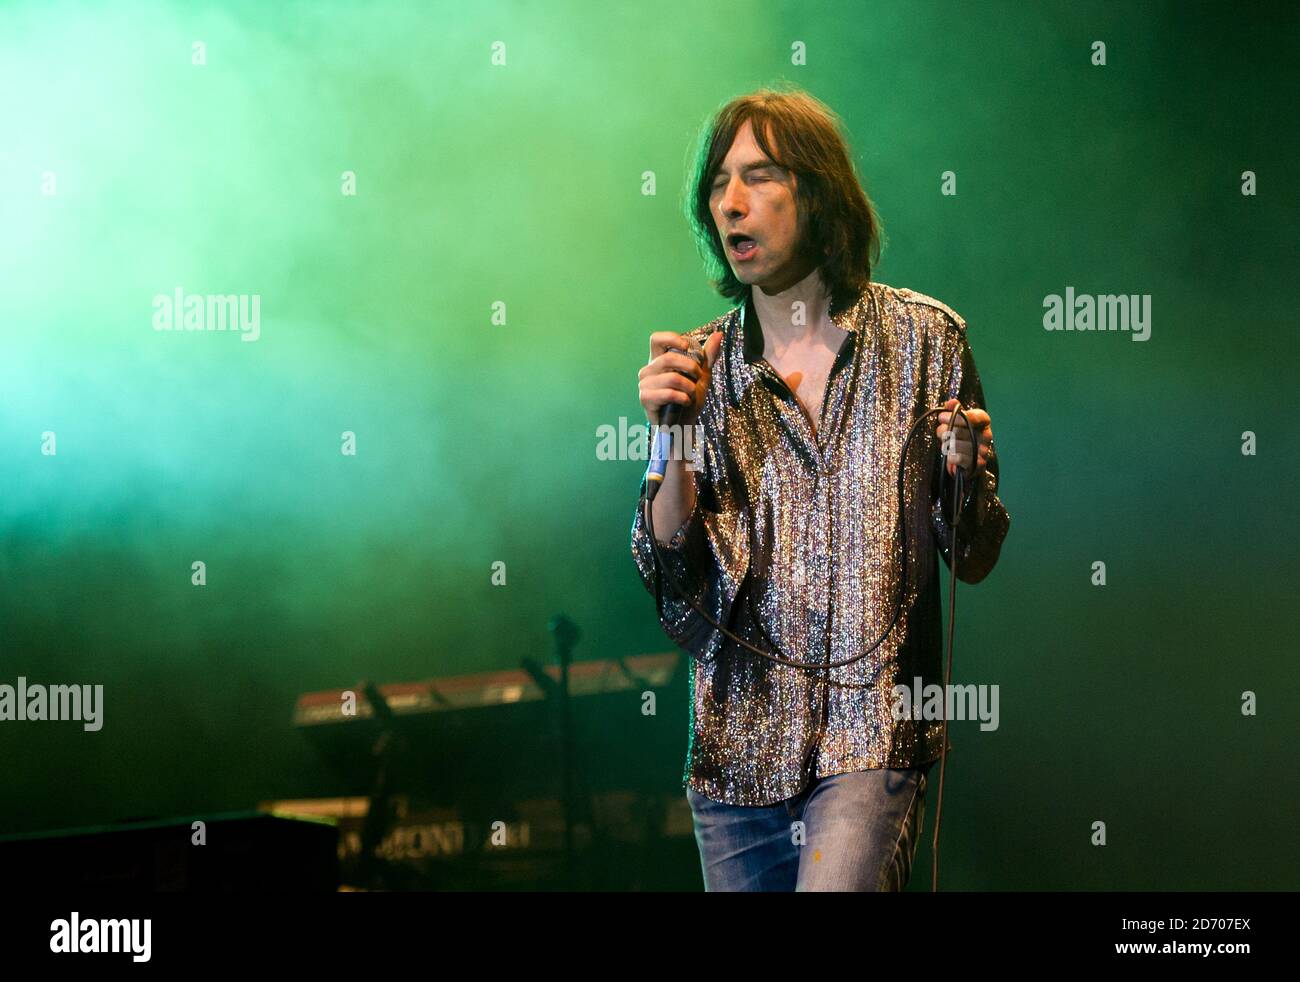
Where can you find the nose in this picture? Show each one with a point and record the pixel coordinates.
(732, 203)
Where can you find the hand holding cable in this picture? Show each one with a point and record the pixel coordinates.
(956, 442)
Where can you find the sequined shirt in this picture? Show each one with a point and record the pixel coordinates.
(793, 543)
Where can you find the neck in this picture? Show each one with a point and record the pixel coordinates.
(782, 321)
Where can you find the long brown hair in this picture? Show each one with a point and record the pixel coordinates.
(839, 222)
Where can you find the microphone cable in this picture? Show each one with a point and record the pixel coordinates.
(958, 504)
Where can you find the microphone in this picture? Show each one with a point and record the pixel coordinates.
(662, 445)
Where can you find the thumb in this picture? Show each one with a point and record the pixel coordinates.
(711, 348)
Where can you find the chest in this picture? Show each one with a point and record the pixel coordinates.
(805, 367)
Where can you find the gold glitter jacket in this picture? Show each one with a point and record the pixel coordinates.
(793, 542)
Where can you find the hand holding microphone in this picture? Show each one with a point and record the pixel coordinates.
(673, 385)
(677, 375)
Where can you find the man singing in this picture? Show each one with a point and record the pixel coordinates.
(785, 528)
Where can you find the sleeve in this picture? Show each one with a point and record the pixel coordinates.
(708, 556)
(984, 520)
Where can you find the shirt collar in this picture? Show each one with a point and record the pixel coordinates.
(751, 331)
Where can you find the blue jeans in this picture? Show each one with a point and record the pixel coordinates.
(859, 832)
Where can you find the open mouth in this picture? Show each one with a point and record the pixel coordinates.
(742, 246)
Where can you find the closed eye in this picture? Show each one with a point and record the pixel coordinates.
(754, 178)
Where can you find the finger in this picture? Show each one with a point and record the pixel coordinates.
(963, 455)
(669, 380)
(672, 361)
(658, 398)
(665, 364)
(975, 423)
(661, 341)
(960, 430)
(945, 420)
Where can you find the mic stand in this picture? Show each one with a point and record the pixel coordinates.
(378, 817)
(566, 635)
